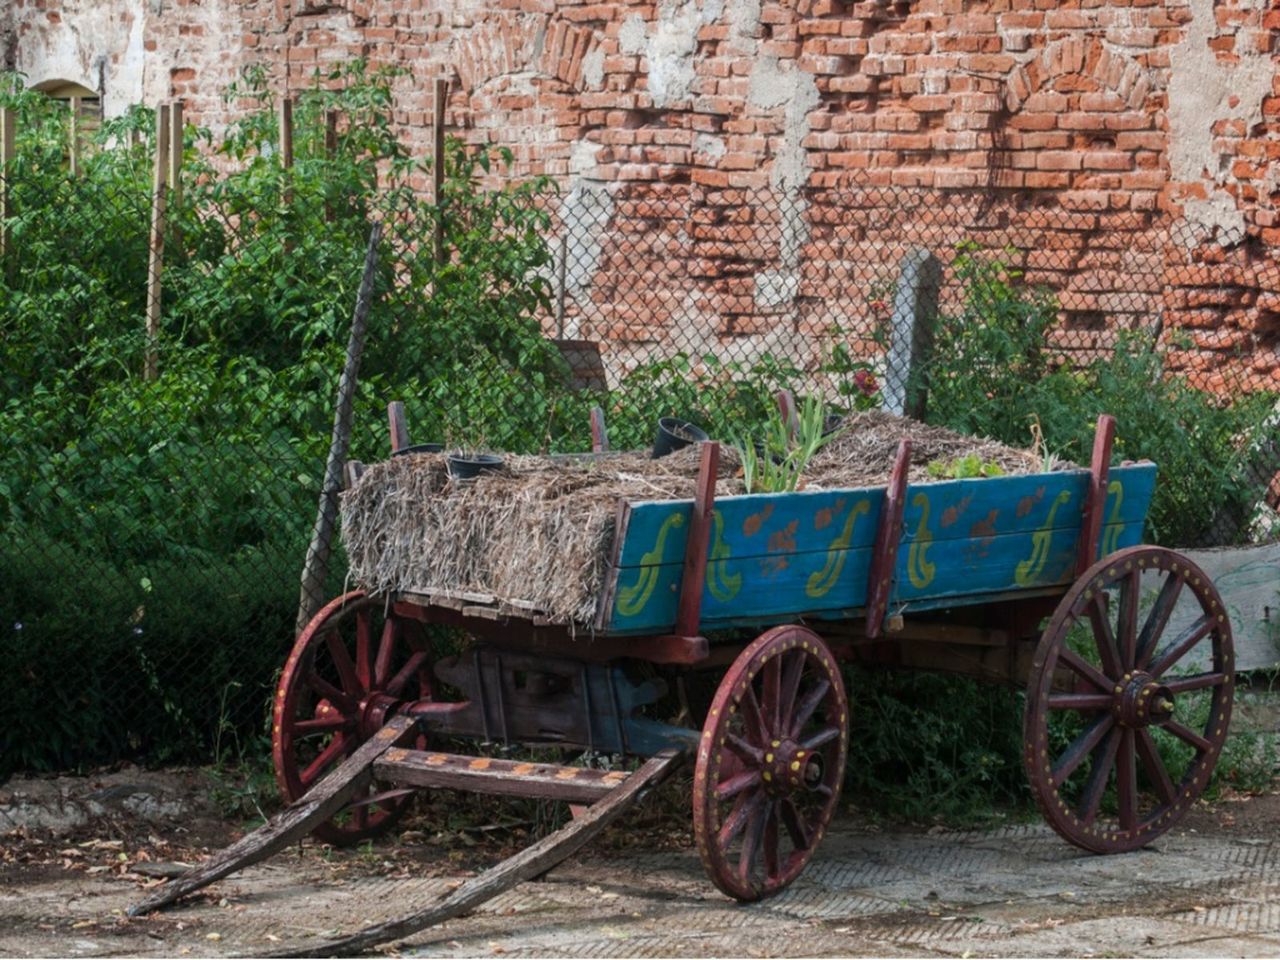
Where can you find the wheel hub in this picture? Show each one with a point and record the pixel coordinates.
(375, 712)
(1140, 701)
(788, 768)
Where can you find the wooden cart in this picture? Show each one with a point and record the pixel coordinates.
(1126, 662)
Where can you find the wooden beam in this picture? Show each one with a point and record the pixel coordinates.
(689, 612)
(397, 426)
(884, 557)
(790, 416)
(155, 260)
(533, 861)
(440, 98)
(319, 804)
(330, 148)
(599, 435)
(489, 775)
(1096, 498)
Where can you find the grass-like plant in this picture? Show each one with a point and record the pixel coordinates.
(777, 463)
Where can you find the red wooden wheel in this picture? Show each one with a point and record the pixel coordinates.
(351, 668)
(1128, 699)
(770, 764)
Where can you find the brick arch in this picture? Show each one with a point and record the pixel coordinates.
(1079, 56)
(548, 45)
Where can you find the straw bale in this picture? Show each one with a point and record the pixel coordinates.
(539, 532)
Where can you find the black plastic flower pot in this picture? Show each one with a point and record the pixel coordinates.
(675, 434)
(467, 466)
(419, 448)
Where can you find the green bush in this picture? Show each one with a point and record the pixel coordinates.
(993, 374)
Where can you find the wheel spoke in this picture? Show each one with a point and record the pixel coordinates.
(1127, 783)
(1127, 618)
(737, 819)
(386, 650)
(321, 724)
(791, 682)
(1103, 759)
(771, 841)
(1187, 735)
(809, 704)
(1157, 620)
(771, 695)
(1080, 701)
(1155, 768)
(752, 716)
(1083, 668)
(342, 661)
(737, 783)
(825, 735)
(1103, 636)
(794, 823)
(752, 839)
(1179, 647)
(326, 756)
(411, 666)
(364, 650)
(329, 692)
(1196, 681)
(1080, 748)
(744, 751)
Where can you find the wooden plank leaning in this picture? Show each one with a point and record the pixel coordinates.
(319, 804)
(527, 864)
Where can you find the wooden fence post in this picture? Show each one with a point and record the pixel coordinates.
(915, 307)
(330, 149)
(155, 260)
(439, 101)
(286, 162)
(73, 134)
(7, 136)
(174, 180)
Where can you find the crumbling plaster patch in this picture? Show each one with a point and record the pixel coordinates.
(1203, 91)
(670, 51)
(97, 45)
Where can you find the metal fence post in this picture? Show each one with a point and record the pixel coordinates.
(915, 306)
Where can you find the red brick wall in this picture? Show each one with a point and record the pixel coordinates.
(1127, 148)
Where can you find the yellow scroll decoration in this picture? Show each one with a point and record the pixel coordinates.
(1029, 570)
(631, 600)
(920, 570)
(821, 582)
(723, 588)
(1111, 535)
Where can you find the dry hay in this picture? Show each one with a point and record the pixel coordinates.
(539, 533)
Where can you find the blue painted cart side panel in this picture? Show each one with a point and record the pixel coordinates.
(781, 555)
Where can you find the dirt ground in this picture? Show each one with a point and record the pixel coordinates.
(76, 852)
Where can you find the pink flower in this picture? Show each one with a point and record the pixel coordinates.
(865, 381)
(879, 306)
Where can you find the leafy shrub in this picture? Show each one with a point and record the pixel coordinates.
(992, 374)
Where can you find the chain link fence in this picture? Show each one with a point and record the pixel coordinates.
(153, 526)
